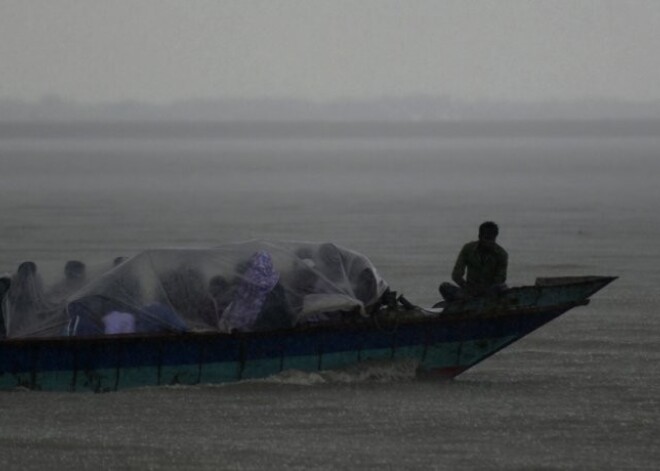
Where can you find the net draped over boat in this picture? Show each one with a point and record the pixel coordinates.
(251, 286)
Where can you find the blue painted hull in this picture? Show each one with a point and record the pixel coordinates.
(445, 345)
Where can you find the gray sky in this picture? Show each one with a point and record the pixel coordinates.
(162, 51)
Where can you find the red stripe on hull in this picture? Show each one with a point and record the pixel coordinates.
(447, 372)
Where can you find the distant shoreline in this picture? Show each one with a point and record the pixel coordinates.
(327, 129)
(406, 109)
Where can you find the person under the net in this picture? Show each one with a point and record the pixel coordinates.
(5, 284)
(480, 269)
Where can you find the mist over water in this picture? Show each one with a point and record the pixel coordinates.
(581, 393)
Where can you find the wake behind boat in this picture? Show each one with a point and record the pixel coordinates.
(249, 311)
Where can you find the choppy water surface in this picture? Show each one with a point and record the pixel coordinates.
(581, 393)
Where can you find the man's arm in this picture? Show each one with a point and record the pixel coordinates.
(459, 269)
(500, 274)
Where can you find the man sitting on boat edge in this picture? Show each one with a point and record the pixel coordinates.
(485, 262)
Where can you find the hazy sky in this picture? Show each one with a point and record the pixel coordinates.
(162, 51)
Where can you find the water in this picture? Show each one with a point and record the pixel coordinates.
(581, 393)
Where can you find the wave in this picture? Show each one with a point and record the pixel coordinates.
(379, 371)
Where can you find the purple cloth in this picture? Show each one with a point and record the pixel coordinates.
(117, 322)
(258, 280)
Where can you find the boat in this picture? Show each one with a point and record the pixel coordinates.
(444, 341)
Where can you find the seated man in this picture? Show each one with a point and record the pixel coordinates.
(486, 264)
(5, 284)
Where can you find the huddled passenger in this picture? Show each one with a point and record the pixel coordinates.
(304, 281)
(310, 291)
(275, 313)
(330, 262)
(75, 272)
(186, 292)
(5, 283)
(121, 293)
(87, 315)
(74, 279)
(253, 287)
(222, 293)
(124, 286)
(26, 293)
(365, 284)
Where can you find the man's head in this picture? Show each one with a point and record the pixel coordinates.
(27, 269)
(5, 283)
(488, 232)
(74, 270)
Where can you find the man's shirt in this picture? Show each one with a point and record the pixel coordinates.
(484, 268)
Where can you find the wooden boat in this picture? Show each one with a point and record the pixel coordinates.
(445, 342)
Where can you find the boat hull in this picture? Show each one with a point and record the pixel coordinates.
(444, 345)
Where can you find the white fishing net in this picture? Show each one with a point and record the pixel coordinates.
(249, 286)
